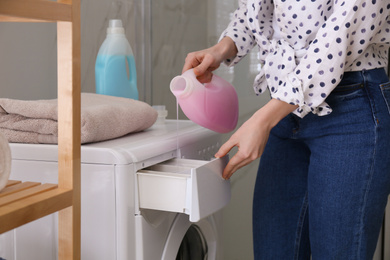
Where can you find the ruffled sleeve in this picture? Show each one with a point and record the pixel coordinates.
(243, 35)
(352, 27)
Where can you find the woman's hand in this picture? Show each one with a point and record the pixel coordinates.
(204, 62)
(250, 140)
(252, 136)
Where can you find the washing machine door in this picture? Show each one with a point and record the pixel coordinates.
(192, 241)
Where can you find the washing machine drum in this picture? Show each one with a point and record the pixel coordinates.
(193, 245)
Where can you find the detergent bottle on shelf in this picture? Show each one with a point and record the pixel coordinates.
(115, 72)
(213, 105)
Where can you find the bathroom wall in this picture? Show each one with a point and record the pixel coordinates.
(161, 33)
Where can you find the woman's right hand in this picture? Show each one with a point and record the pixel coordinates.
(204, 62)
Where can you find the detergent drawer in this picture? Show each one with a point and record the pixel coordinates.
(193, 187)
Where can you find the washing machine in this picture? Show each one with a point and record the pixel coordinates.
(155, 194)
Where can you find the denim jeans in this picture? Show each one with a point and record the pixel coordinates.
(323, 181)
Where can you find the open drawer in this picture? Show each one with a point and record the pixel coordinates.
(193, 187)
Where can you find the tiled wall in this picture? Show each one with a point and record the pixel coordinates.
(179, 27)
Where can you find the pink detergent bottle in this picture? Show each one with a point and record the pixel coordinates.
(213, 105)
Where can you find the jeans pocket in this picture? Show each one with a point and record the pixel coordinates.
(385, 88)
(348, 91)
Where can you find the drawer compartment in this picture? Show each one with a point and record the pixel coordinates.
(193, 187)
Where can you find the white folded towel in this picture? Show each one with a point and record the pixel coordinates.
(5, 161)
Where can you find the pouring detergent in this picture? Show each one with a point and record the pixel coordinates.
(213, 105)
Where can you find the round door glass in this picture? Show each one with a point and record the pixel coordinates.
(193, 245)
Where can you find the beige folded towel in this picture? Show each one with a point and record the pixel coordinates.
(5, 161)
(102, 118)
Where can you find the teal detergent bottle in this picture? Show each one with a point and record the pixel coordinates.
(115, 72)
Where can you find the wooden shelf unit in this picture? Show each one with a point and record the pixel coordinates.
(20, 202)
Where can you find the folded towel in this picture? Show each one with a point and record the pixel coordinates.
(102, 118)
(5, 161)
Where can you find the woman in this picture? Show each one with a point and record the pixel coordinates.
(324, 137)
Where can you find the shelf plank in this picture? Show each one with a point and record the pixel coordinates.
(26, 193)
(17, 187)
(36, 10)
(12, 182)
(34, 207)
(5, 18)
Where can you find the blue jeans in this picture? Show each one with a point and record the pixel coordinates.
(323, 182)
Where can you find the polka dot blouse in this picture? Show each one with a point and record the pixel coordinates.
(306, 45)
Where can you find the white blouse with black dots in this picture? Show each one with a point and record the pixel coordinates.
(306, 45)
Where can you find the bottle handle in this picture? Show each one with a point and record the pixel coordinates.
(131, 70)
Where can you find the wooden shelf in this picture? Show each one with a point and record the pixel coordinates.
(20, 202)
(35, 10)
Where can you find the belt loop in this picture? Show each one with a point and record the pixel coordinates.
(364, 75)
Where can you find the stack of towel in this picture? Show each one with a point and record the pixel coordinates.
(102, 118)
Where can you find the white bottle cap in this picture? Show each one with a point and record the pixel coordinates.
(162, 113)
(115, 27)
(115, 23)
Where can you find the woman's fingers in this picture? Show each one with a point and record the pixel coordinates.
(203, 63)
(191, 61)
(208, 63)
(234, 164)
(225, 148)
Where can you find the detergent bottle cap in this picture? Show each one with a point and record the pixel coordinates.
(181, 86)
(115, 27)
(162, 113)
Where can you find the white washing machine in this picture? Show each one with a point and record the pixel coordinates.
(151, 195)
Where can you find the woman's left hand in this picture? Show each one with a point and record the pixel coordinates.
(250, 139)
(252, 136)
